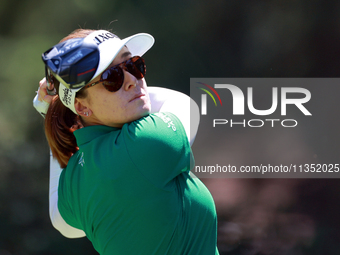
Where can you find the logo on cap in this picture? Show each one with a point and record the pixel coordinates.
(68, 47)
(103, 37)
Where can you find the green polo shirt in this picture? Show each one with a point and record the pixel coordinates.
(130, 191)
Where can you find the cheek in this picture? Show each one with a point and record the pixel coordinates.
(99, 103)
(111, 106)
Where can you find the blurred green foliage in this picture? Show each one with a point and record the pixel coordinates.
(215, 38)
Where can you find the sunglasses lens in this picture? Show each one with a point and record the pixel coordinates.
(136, 67)
(113, 79)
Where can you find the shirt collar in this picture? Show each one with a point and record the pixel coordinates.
(86, 134)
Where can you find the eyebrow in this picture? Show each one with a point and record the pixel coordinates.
(125, 54)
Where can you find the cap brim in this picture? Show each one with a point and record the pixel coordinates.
(137, 44)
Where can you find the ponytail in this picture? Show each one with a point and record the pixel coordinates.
(60, 123)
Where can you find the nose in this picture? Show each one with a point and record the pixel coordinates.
(130, 81)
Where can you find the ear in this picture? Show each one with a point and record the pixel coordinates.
(82, 108)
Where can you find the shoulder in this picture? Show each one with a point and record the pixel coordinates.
(156, 132)
(158, 146)
(162, 124)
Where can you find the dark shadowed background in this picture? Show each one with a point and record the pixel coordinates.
(215, 38)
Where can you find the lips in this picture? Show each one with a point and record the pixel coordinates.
(137, 96)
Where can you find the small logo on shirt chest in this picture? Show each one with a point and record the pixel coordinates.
(81, 160)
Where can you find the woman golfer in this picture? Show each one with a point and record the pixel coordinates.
(124, 149)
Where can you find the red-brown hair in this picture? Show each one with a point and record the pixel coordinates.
(61, 122)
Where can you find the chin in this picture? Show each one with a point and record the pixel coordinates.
(147, 108)
(142, 113)
(145, 113)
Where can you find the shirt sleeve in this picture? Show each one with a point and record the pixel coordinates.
(57, 221)
(158, 147)
(55, 170)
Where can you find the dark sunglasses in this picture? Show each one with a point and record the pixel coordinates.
(113, 78)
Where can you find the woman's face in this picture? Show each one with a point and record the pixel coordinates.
(129, 103)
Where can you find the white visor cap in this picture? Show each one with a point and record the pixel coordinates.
(109, 46)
